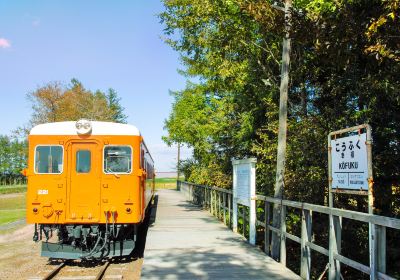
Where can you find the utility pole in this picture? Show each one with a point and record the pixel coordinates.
(178, 161)
(281, 156)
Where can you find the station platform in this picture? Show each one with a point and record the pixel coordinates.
(187, 242)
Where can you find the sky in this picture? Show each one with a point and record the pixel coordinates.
(103, 44)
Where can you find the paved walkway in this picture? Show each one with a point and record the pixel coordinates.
(188, 243)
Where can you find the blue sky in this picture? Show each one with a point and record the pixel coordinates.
(101, 43)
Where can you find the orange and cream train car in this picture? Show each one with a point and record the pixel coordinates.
(92, 184)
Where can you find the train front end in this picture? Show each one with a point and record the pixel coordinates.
(86, 194)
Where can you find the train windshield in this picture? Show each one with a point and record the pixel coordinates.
(49, 159)
(118, 159)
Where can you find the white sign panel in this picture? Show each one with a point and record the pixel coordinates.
(350, 163)
(242, 190)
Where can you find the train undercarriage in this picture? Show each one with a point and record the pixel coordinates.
(86, 241)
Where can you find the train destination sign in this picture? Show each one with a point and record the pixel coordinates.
(350, 162)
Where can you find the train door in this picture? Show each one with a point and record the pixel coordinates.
(84, 187)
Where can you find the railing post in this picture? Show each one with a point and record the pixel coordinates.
(211, 202)
(335, 240)
(230, 210)
(373, 251)
(381, 248)
(306, 231)
(244, 220)
(215, 203)
(207, 199)
(283, 236)
(267, 217)
(235, 216)
(219, 205)
(252, 221)
(224, 206)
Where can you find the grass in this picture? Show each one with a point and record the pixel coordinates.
(165, 183)
(12, 189)
(12, 208)
(8, 216)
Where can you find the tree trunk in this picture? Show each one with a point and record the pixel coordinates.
(280, 164)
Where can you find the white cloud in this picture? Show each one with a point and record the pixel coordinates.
(4, 43)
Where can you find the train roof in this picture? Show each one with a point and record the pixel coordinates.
(98, 128)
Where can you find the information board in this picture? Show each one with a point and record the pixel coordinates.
(242, 190)
(350, 162)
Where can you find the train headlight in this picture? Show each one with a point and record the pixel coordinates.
(83, 126)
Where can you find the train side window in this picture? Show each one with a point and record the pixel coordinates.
(117, 159)
(48, 159)
(83, 161)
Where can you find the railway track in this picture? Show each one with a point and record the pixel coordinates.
(77, 270)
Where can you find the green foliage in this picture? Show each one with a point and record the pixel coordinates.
(54, 102)
(344, 72)
(233, 48)
(13, 158)
(114, 104)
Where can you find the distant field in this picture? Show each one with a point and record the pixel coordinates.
(12, 189)
(12, 207)
(165, 183)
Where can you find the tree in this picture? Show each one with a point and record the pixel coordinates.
(344, 70)
(13, 159)
(54, 102)
(114, 104)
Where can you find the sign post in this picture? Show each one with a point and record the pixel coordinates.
(350, 172)
(244, 191)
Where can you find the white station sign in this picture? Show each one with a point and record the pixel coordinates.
(350, 163)
(243, 191)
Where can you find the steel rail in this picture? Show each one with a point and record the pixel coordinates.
(55, 271)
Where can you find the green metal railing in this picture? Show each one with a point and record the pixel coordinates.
(219, 202)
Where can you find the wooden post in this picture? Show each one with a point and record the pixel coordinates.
(211, 202)
(381, 242)
(219, 205)
(215, 203)
(306, 232)
(224, 206)
(253, 206)
(234, 202)
(178, 162)
(283, 237)
(252, 222)
(230, 210)
(207, 199)
(373, 252)
(335, 240)
(267, 208)
(373, 263)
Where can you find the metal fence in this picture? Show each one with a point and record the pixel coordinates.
(219, 202)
